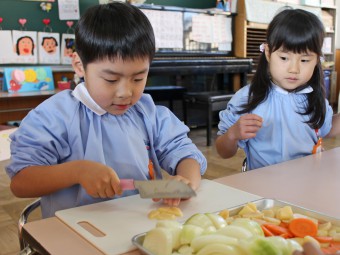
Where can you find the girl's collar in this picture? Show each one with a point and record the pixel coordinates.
(304, 90)
(81, 93)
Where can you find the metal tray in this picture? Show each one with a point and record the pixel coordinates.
(261, 204)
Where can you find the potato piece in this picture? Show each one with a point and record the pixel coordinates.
(247, 209)
(325, 226)
(284, 213)
(253, 215)
(272, 220)
(269, 213)
(224, 213)
(322, 232)
(165, 213)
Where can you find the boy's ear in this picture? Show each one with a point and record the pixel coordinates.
(77, 65)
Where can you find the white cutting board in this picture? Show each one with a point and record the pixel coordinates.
(122, 219)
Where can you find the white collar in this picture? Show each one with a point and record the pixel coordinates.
(306, 90)
(80, 92)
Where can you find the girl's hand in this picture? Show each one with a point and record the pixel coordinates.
(174, 201)
(246, 127)
(99, 180)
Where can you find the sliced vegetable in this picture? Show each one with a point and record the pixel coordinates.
(266, 231)
(201, 241)
(188, 233)
(251, 225)
(158, 241)
(324, 239)
(237, 232)
(302, 227)
(278, 230)
(219, 249)
(217, 220)
(200, 219)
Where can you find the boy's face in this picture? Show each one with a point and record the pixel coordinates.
(116, 85)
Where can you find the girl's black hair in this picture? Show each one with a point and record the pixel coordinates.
(114, 30)
(298, 31)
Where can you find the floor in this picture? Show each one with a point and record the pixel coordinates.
(10, 206)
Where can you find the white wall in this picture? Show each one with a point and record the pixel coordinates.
(337, 27)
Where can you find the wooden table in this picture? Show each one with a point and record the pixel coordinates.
(311, 182)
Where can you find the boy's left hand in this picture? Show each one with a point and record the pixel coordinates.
(174, 201)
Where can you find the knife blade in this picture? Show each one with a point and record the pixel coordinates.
(159, 188)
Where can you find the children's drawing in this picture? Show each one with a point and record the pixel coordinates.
(48, 48)
(6, 50)
(23, 79)
(67, 48)
(25, 46)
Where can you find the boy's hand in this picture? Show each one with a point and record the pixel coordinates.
(246, 127)
(174, 201)
(99, 180)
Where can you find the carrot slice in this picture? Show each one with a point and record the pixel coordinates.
(329, 250)
(278, 230)
(266, 231)
(302, 227)
(323, 239)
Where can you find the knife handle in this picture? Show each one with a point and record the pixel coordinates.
(127, 184)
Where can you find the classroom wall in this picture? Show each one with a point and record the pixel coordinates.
(12, 10)
(337, 26)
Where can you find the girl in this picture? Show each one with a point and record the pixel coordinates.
(283, 113)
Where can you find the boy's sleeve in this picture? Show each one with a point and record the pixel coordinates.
(36, 142)
(172, 143)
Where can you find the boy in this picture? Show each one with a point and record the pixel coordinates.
(74, 148)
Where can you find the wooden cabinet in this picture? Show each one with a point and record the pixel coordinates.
(248, 35)
(15, 106)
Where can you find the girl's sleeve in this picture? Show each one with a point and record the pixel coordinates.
(327, 125)
(230, 115)
(172, 143)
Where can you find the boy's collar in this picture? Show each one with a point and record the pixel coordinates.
(80, 92)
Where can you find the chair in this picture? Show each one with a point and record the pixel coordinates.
(210, 101)
(168, 93)
(244, 166)
(25, 249)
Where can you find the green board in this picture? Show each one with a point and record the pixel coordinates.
(13, 10)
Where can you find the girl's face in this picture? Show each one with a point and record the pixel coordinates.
(116, 85)
(290, 70)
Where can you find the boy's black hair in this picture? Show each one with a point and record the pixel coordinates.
(114, 30)
(298, 31)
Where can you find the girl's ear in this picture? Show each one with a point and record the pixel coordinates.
(266, 51)
(77, 65)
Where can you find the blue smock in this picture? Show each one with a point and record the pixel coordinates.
(284, 134)
(71, 126)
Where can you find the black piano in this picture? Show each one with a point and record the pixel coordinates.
(186, 63)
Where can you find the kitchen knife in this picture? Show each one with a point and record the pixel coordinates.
(159, 188)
